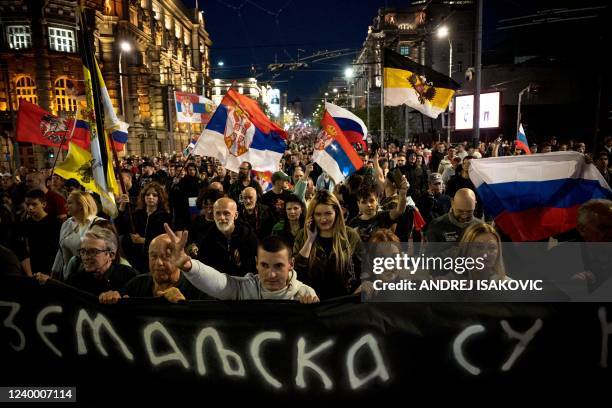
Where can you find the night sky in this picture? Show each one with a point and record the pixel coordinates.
(248, 33)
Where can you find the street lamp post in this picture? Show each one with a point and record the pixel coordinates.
(348, 74)
(125, 47)
(443, 32)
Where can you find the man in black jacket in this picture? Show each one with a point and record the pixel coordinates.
(229, 246)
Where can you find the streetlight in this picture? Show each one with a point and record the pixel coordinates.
(326, 95)
(125, 47)
(442, 33)
(220, 63)
(348, 74)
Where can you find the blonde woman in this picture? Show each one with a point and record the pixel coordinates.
(82, 210)
(479, 240)
(327, 253)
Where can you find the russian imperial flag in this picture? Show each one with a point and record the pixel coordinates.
(239, 131)
(537, 196)
(352, 126)
(333, 152)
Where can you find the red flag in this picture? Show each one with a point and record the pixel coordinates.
(37, 126)
(418, 220)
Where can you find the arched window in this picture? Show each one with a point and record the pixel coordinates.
(65, 99)
(25, 88)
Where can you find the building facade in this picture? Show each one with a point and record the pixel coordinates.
(411, 31)
(162, 47)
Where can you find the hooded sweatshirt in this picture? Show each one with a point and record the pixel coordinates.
(226, 287)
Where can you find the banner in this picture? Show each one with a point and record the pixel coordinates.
(150, 350)
(193, 108)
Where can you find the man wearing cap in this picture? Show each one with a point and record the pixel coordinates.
(276, 197)
(147, 174)
(434, 203)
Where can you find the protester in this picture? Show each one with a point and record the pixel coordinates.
(481, 240)
(260, 217)
(275, 278)
(450, 226)
(82, 210)
(292, 220)
(328, 254)
(276, 197)
(230, 245)
(370, 218)
(245, 180)
(147, 222)
(41, 232)
(163, 280)
(56, 204)
(434, 203)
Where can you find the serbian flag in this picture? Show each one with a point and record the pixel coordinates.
(333, 152)
(352, 126)
(193, 108)
(239, 132)
(37, 126)
(521, 141)
(537, 196)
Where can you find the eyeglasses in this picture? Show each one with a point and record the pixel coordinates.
(90, 252)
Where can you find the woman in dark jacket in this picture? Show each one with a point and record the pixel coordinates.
(292, 221)
(149, 218)
(327, 253)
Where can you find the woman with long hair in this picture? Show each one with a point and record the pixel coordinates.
(327, 253)
(151, 213)
(82, 209)
(292, 220)
(482, 240)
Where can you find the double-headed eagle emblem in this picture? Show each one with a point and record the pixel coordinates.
(424, 90)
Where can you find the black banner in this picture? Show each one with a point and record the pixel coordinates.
(150, 350)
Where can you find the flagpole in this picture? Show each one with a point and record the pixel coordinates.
(59, 149)
(382, 92)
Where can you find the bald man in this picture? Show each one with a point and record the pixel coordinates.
(259, 216)
(163, 280)
(450, 226)
(230, 245)
(215, 185)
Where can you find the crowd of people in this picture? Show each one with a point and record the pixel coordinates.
(190, 229)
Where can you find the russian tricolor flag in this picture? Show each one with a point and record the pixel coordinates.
(239, 132)
(537, 196)
(333, 152)
(521, 141)
(352, 126)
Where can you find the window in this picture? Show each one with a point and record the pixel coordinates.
(61, 40)
(64, 95)
(404, 50)
(19, 36)
(25, 88)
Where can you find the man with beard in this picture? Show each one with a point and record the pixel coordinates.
(259, 216)
(244, 180)
(450, 226)
(229, 246)
(164, 280)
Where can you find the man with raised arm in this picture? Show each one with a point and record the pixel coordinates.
(275, 278)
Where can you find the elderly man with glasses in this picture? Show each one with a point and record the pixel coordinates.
(96, 269)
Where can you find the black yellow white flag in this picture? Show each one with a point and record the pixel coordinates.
(415, 85)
